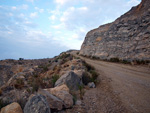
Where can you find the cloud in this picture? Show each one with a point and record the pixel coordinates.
(34, 15)
(77, 17)
(14, 8)
(24, 6)
(61, 2)
(68, 21)
(40, 10)
(53, 17)
(30, 1)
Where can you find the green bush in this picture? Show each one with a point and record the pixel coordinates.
(86, 78)
(35, 87)
(94, 57)
(88, 66)
(74, 99)
(125, 62)
(94, 75)
(64, 55)
(114, 60)
(55, 78)
(81, 91)
(45, 68)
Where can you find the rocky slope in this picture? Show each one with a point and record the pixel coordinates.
(44, 85)
(128, 37)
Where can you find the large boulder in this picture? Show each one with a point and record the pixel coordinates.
(54, 102)
(71, 79)
(12, 108)
(37, 104)
(65, 97)
(80, 73)
(62, 92)
(57, 89)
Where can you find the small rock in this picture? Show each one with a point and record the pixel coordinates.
(37, 104)
(91, 85)
(72, 67)
(78, 102)
(12, 108)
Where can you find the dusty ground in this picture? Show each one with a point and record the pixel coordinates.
(122, 89)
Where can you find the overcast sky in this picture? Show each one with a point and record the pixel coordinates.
(43, 28)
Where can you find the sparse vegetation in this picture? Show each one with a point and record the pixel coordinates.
(19, 84)
(125, 62)
(55, 78)
(76, 57)
(74, 99)
(45, 67)
(28, 90)
(81, 91)
(35, 86)
(114, 59)
(86, 78)
(88, 67)
(1, 91)
(94, 76)
(89, 78)
(21, 58)
(2, 103)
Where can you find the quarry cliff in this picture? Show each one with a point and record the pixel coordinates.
(128, 37)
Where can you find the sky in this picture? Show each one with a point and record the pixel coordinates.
(34, 29)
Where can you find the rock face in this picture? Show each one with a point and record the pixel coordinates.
(12, 108)
(128, 37)
(71, 79)
(37, 104)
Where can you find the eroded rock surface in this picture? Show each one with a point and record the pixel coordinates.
(71, 79)
(128, 37)
(37, 104)
(12, 108)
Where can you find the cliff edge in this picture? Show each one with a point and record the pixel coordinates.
(128, 37)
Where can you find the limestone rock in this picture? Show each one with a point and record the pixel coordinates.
(37, 104)
(57, 89)
(12, 108)
(91, 85)
(79, 72)
(126, 38)
(54, 102)
(65, 97)
(71, 79)
(62, 92)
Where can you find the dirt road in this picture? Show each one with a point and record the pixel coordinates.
(122, 88)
